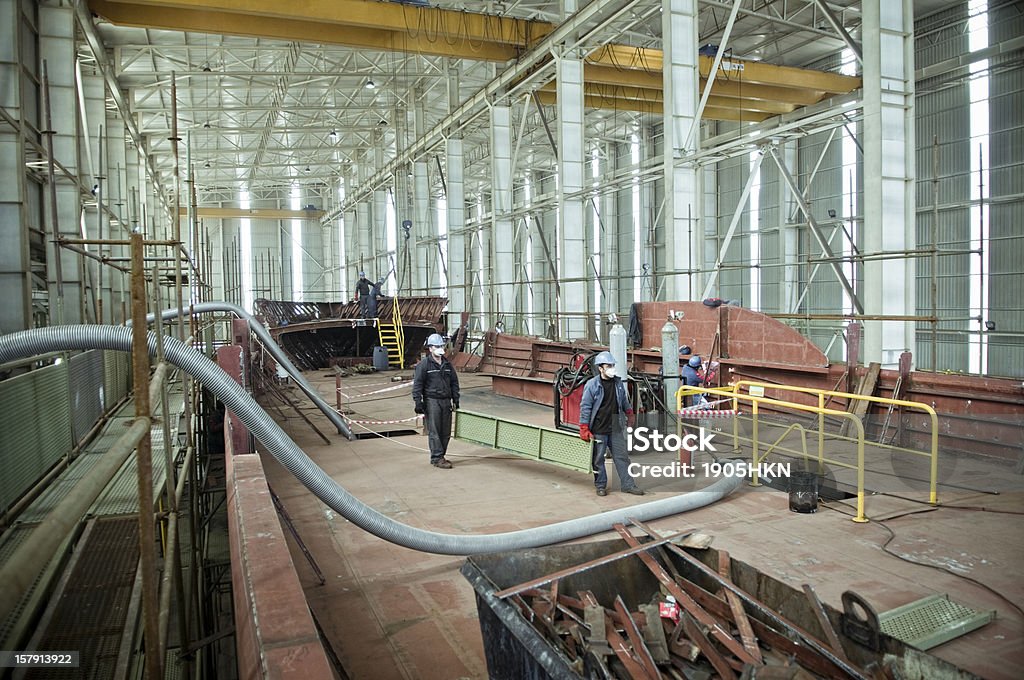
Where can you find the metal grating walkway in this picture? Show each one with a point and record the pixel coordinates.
(531, 441)
(89, 613)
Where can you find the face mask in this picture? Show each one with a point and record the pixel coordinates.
(609, 371)
(437, 351)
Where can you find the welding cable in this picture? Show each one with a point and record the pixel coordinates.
(294, 459)
(275, 350)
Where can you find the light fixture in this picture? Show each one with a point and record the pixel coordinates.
(370, 84)
(206, 125)
(334, 135)
(832, 213)
(206, 164)
(307, 169)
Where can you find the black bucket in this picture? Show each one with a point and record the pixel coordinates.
(803, 491)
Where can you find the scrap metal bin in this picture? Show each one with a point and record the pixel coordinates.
(515, 650)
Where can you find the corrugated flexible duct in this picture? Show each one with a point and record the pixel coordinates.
(39, 341)
(275, 350)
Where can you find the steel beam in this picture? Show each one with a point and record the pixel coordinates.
(816, 231)
(572, 243)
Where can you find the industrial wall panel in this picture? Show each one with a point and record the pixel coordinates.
(1006, 21)
(87, 391)
(940, 36)
(35, 428)
(1006, 215)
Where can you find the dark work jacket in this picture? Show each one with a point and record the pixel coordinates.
(363, 286)
(435, 380)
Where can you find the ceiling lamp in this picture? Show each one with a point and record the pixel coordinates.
(206, 164)
(334, 135)
(370, 84)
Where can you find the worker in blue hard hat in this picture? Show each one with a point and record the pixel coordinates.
(605, 413)
(435, 394)
(692, 377)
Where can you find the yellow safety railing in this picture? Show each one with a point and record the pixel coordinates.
(755, 402)
(933, 496)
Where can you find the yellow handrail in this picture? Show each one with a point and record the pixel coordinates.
(934, 454)
(736, 396)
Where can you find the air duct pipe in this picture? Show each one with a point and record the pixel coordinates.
(275, 350)
(294, 459)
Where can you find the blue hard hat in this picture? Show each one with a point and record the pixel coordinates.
(604, 358)
(694, 362)
(435, 340)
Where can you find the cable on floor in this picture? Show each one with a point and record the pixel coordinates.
(892, 536)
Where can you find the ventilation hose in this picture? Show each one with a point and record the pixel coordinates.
(275, 350)
(277, 443)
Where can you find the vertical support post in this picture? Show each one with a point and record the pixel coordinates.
(422, 233)
(572, 244)
(49, 132)
(456, 203)
(144, 465)
(682, 196)
(889, 205)
(503, 239)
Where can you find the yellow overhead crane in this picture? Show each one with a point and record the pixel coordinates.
(617, 77)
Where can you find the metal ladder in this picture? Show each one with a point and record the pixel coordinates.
(392, 336)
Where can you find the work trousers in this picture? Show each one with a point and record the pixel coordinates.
(438, 422)
(616, 443)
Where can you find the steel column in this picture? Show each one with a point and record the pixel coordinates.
(681, 246)
(572, 244)
(889, 195)
(503, 237)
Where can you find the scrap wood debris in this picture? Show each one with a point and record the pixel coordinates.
(684, 631)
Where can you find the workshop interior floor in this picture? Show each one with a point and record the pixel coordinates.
(390, 612)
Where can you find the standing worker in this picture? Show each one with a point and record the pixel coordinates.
(374, 298)
(605, 412)
(435, 392)
(363, 286)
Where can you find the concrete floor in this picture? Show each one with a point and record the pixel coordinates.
(390, 612)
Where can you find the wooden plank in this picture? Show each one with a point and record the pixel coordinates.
(719, 663)
(633, 633)
(823, 621)
(687, 602)
(738, 612)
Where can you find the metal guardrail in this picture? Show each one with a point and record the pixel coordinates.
(734, 394)
(530, 441)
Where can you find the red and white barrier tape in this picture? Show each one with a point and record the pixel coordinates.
(379, 422)
(707, 413)
(367, 394)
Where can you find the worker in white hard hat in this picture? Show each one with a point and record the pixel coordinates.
(605, 412)
(363, 286)
(435, 394)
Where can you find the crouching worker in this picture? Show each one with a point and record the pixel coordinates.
(435, 393)
(605, 412)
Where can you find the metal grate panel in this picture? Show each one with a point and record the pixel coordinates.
(519, 438)
(931, 621)
(539, 443)
(12, 539)
(30, 444)
(121, 497)
(90, 614)
(566, 449)
(87, 391)
(474, 427)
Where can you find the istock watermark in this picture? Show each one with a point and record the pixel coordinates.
(643, 439)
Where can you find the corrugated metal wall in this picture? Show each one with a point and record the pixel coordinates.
(43, 414)
(1006, 214)
(35, 428)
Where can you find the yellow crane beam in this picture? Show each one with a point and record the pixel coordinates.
(227, 23)
(600, 101)
(440, 25)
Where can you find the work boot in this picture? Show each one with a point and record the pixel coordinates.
(441, 463)
(601, 491)
(635, 490)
